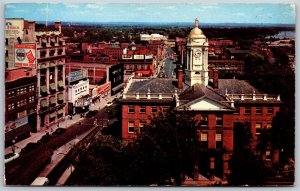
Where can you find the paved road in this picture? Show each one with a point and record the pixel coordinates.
(168, 65)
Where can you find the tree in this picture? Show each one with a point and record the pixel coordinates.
(246, 168)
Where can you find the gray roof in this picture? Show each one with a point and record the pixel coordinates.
(198, 91)
(155, 85)
(235, 86)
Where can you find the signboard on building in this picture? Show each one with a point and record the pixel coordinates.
(14, 28)
(148, 56)
(25, 55)
(124, 56)
(138, 57)
(77, 75)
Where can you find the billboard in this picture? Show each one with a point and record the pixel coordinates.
(148, 56)
(25, 55)
(14, 28)
(77, 75)
(139, 57)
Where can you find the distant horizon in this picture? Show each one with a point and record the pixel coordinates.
(210, 13)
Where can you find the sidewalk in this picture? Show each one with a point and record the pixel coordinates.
(34, 137)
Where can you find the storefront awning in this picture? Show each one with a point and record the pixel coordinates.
(52, 86)
(43, 89)
(60, 84)
(44, 103)
(61, 111)
(118, 87)
(43, 65)
(52, 64)
(52, 115)
(52, 100)
(60, 96)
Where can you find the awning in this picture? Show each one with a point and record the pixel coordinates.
(118, 87)
(43, 88)
(52, 64)
(60, 96)
(52, 40)
(61, 40)
(61, 111)
(52, 115)
(43, 65)
(44, 103)
(60, 83)
(44, 40)
(52, 100)
(52, 86)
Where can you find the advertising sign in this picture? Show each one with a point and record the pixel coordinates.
(25, 55)
(77, 75)
(138, 56)
(14, 28)
(148, 56)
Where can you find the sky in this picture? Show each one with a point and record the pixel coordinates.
(154, 12)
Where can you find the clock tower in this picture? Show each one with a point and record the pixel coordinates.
(196, 68)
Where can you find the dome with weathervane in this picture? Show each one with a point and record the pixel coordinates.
(196, 32)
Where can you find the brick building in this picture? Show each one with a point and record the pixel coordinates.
(20, 104)
(218, 106)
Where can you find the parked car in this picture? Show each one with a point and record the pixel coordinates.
(108, 104)
(59, 131)
(91, 113)
(10, 157)
(29, 147)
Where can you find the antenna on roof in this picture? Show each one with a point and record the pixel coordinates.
(47, 10)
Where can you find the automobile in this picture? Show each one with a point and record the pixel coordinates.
(91, 113)
(59, 131)
(29, 147)
(10, 157)
(108, 104)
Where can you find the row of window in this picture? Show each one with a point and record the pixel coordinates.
(137, 67)
(259, 127)
(218, 139)
(258, 111)
(21, 91)
(131, 126)
(80, 89)
(20, 103)
(142, 109)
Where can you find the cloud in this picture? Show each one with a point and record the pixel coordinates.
(238, 14)
(72, 6)
(170, 8)
(140, 8)
(10, 6)
(94, 6)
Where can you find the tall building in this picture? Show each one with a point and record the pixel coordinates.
(50, 76)
(218, 104)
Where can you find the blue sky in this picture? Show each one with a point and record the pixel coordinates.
(155, 12)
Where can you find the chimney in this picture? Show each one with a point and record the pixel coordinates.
(58, 26)
(180, 78)
(216, 79)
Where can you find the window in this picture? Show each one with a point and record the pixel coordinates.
(269, 125)
(142, 123)
(219, 141)
(142, 109)
(31, 88)
(131, 127)
(204, 120)
(258, 128)
(11, 106)
(153, 109)
(204, 140)
(268, 155)
(237, 111)
(247, 110)
(219, 120)
(31, 99)
(131, 109)
(270, 110)
(258, 110)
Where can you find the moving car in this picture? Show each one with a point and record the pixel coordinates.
(10, 157)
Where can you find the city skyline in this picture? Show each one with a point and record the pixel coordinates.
(154, 12)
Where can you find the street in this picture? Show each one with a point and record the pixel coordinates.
(168, 65)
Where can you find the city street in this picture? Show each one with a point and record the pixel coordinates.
(168, 65)
(34, 137)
